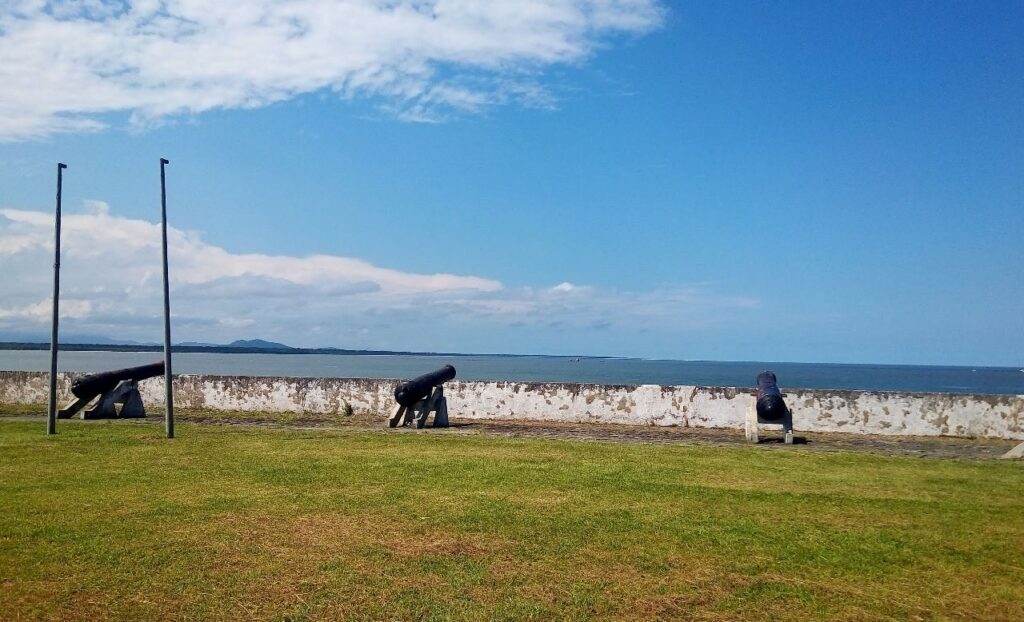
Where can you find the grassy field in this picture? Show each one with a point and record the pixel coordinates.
(110, 521)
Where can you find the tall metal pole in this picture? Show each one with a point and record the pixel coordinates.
(51, 411)
(169, 413)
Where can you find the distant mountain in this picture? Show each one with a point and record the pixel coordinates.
(80, 343)
(68, 338)
(258, 343)
(248, 344)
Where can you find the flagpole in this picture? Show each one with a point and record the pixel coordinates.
(51, 411)
(169, 410)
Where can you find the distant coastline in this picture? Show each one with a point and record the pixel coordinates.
(231, 349)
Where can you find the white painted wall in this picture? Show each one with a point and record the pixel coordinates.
(862, 412)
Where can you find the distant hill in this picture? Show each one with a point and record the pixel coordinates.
(14, 337)
(249, 344)
(241, 346)
(258, 343)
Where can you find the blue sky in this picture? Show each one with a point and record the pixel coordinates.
(833, 182)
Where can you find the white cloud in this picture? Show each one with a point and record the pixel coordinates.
(43, 310)
(566, 287)
(111, 285)
(97, 208)
(64, 64)
(132, 249)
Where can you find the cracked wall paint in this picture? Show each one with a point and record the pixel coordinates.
(862, 412)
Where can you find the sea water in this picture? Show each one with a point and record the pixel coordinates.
(915, 378)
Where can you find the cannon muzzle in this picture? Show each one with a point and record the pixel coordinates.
(770, 405)
(412, 391)
(92, 385)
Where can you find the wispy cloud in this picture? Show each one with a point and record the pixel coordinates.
(110, 275)
(64, 64)
(131, 247)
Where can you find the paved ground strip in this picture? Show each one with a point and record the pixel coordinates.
(924, 447)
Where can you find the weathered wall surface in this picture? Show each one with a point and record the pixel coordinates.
(862, 412)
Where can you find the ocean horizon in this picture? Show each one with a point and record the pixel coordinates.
(546, 368)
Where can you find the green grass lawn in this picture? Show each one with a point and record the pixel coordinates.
(108, 520)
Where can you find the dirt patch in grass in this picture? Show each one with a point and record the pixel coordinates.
(918, 446)
(338, 566)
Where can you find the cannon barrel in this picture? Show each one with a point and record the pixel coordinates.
(412, 391)
(94, 384)
(770, 405)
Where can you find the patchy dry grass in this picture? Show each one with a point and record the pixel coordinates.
(210, 415)
(109, 521)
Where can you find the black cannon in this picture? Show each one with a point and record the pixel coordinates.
(770, 405)
(418, 397)
(769, 408)
(120, 386)
(412, 391)
(90, 386)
